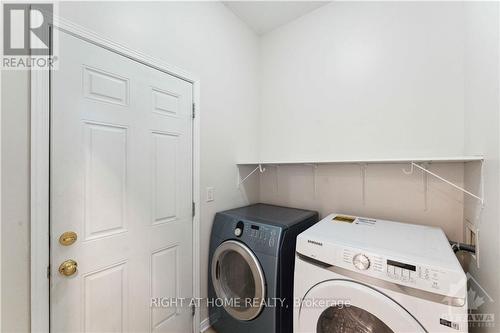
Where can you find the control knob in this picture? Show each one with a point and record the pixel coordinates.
(361, 262)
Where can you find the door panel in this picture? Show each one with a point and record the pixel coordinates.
(110, 283)
(105, 163)
(164, 273)
(121, 178)
(165, 147)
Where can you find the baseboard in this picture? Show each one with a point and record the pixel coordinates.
(205, 324)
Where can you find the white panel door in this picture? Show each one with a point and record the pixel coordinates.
(121, 179)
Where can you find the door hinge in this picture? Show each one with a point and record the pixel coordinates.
(194, 110)
(48, 272)
(193, 310)
(193, 209)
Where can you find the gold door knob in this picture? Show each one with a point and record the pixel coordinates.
(68, 268)
(68, 238)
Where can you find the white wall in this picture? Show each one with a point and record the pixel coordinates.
(364, 79)
(205, 39)
(482, 135)
(15, 250)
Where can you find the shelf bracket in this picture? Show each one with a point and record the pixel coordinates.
(259, 167)
(314, 169)
(364, 168)
(415, 165)
(425, 183)
(276, 176)
(277, 179)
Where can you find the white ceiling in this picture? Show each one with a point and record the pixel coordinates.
(264, 16)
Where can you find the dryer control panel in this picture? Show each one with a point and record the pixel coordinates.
(263, 235)
(260, 237)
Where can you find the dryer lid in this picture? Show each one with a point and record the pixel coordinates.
(284, 217)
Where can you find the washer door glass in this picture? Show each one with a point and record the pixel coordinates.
(340, 319)
(348, 306)
(238, 280)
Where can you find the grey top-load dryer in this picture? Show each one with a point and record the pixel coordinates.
(251, 266)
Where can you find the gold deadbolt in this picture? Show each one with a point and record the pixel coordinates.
(68, 238)
(68, 268)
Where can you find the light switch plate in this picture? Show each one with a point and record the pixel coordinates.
(210, 194)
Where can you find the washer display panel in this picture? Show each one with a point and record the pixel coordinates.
(348, 306)
(238, 280)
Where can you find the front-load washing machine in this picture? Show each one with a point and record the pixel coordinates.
(357, 274)
(252, 253)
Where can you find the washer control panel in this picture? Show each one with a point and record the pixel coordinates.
(400, 271)
(395, 270)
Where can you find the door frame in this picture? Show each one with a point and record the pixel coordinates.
(40, 172)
